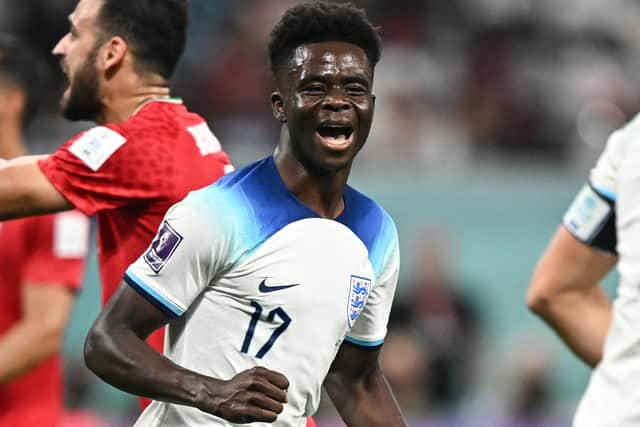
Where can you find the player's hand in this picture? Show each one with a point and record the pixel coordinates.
(257, 394)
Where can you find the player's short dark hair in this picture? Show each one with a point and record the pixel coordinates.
(20, 65)
(321, 22)
(156, 30)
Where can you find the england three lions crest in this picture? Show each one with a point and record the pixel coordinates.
(359, 289)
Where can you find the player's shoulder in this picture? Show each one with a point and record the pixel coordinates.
(237, 183)
(623, 137)
(232, 196)
(364, 211)
(619, 146)
(157, 120)
(150, 126)
(372, 224)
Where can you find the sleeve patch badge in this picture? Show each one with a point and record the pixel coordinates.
(162, 248)
(96, 146)
(359, 289)
(587, 214)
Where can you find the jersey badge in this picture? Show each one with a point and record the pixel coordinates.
(359, 289)
(96, 145)
(588, 214)
(162, 247)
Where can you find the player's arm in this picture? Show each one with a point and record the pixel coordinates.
(51, 271)
(355, 381)
(115, 350)
(26, 191)
(39, 333)
(565, 292)
(565, 288)
(359, 390)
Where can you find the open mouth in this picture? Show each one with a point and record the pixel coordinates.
(335, 134)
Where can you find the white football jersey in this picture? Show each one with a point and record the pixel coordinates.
(613, 198)
(253, 277)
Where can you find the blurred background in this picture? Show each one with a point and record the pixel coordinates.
(489, 115)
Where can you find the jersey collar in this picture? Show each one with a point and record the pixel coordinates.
(169, 99)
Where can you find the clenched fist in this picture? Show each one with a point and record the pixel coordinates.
(257, 394)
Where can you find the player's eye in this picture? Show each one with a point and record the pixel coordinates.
(314, 89)
(356, 89)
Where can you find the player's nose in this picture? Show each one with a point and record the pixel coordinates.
(60, 48)
(336, 101)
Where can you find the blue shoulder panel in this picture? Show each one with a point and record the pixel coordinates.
(371, 224)
(254, 202)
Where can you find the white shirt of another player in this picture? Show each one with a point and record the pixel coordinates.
(613, 397)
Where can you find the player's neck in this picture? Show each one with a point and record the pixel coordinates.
(125, 95)
(322, 193)
(120, 109)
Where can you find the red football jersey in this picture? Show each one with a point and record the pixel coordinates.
(41, 251)
(130, 173)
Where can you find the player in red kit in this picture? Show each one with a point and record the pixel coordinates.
(148, 151)
(41, 266)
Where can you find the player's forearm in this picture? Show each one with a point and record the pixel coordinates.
(25, 191)
(25, 346)
(366, 403)
(581, 319)
(125, 361)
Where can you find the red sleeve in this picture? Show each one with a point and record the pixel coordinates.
(103, 168)
(57, 248)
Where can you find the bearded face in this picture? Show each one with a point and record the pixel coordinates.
(81, 100)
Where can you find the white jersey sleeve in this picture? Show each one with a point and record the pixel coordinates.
(604, 176)
(591, 216)
(184, 257)
(370, 328)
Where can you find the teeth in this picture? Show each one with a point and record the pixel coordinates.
(338, 140)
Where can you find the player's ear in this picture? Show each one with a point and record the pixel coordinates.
(277, 106)
(112, 53)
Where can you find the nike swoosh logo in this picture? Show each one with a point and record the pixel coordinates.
(264, 288)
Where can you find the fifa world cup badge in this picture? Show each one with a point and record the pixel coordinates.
(162, 247)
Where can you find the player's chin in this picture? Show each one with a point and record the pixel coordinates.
(334, 163)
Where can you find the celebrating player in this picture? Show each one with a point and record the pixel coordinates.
(600, 229)
(41, 265)
(280, 276)
(149, 151)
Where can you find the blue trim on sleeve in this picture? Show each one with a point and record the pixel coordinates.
(361, 343)
(160, 302)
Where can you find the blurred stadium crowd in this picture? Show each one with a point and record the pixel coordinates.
(479, 101)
